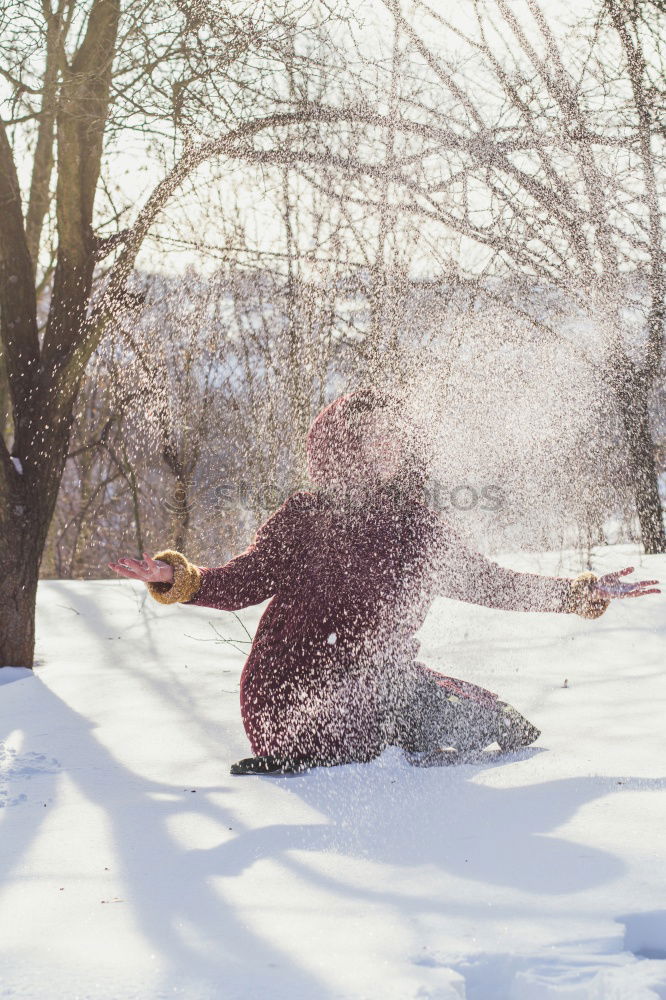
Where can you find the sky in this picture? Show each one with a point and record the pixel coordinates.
(190, 216)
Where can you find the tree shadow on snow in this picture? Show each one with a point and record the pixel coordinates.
(199, 936)
(394, 814)
(439, 820)
(169, 679)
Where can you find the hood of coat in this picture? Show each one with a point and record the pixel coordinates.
(340, 446)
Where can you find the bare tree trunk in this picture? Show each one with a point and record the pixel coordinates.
(24, 528)
(18, 593)
(636, 386)
(5, 402)
(632, 391)
(180, 508)
(633, 395)
(44, 372)
(179, 505)
(644, 474)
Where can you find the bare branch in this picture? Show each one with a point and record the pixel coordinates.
(42, 166)
(99, 441)
(18, 307)
(19, 86)
(7, 470)
(637, 68)
(82, 119)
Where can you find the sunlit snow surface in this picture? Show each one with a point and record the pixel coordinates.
(134, 866)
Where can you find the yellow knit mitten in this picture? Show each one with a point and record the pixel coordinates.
(186, 579)
(583, 600)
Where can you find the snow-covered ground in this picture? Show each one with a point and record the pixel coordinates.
(134, 866)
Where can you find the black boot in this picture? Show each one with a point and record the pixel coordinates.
(443, 757)
(514, 730)
(270, 765)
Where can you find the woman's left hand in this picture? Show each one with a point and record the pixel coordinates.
(610, 586)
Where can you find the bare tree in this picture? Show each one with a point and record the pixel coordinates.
(75, 77)
(95, 478)
(552, 174)
(643, 49)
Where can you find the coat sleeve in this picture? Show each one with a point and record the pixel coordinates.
(464, 574)
(249, 578)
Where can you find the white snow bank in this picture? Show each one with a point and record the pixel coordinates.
(132, 865)
(10, 674)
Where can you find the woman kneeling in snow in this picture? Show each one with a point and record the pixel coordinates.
(352, 568)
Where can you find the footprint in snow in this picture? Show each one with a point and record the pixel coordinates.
(5, 800)
(15, 766)
(25, 765)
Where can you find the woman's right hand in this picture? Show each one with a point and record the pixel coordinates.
(148, 570)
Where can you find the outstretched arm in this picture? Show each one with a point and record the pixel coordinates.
(467, 575)
(249, 578)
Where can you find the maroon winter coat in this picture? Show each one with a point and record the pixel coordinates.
(349, 586)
